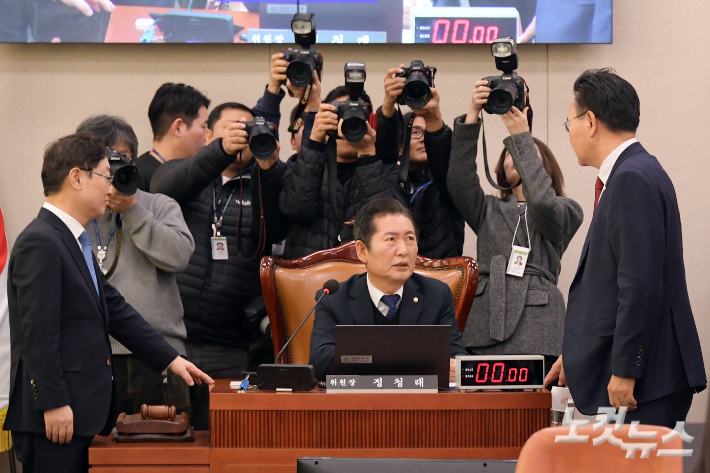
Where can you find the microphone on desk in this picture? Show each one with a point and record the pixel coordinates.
(330, 287)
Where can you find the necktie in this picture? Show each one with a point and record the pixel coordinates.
(598, 187)
(391, 302)
(88, 257)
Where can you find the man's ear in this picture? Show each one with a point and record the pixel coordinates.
(293, 144)
(74, 179)
(178, 128)
(593, 122)
(362, 252)
(208, 135)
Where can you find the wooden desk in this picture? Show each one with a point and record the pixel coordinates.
(106, 456)
(267, 431)
(122, 25)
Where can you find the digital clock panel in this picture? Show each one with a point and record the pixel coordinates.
(500, 372)
(463, 30)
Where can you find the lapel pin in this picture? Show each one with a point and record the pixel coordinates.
(416, 299)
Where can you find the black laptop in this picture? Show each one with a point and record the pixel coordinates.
(393, 350)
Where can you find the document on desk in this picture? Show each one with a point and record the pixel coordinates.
(356, 384)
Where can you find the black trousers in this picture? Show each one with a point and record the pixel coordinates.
(38, 454)
(665, 411)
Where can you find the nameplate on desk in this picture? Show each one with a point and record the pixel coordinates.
(382, 384)
(356, 359)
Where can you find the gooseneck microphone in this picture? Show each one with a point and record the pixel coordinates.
(330, 287)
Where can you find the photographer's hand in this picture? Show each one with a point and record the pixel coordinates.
(278, 73)
(366, 146)
(393, 89)
(478, 100)
(266, 164)
(431, 113)
(235, 139)
(516, 121)
(120, 203)
(88, 7)
(325, 120)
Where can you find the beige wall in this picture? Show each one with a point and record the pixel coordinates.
(46, 90)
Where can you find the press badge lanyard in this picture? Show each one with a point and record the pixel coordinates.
(219, 243)
(101, 253)
(159, 156)
(519, 254)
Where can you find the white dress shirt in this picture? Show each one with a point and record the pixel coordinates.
(376, 296)
(608, 164)
(75, 227)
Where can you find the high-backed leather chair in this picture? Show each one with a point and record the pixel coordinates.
(290, 287)
(541, 454)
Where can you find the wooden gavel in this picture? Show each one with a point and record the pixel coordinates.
(158, 412)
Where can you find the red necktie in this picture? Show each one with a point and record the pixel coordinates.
(598, 187)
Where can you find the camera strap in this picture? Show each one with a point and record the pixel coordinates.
(332, 153)
(485, 163)
(261, 245)
(404, 182)
(302, 103)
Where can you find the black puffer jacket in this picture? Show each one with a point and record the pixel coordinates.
(305, 200)
(441, 227)
(214, 292)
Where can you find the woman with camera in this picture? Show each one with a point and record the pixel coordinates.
(518, 309)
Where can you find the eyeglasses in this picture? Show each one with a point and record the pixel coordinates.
(566, 123)
(108, 178)
(417, 132)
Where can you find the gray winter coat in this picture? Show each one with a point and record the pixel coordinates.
(510, 314)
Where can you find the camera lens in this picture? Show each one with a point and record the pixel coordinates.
(125, 179)
(416, 91)
(262, 142)
(300, 71)
(502, 98)
(354, 126)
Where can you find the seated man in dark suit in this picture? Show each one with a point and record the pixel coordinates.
(389, 293)
(62, 311)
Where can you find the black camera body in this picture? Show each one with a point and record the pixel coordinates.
(508, 91)
(354, 112)
(307, 59)
(417, 90)
(262, 137)
(126, 177)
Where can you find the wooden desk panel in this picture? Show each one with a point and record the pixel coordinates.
(264, 431)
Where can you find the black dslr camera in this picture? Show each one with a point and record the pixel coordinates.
(262, 137)
(354, 112)
(508, 89)
(417, 90)
(307, 59)
(125, 175)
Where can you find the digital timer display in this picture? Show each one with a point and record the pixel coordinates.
(500, 372)
(463, 30)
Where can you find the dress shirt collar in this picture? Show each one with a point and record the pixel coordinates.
(74, 226)
(376, 296)
(608, 164)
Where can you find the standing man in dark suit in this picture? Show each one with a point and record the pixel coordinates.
(630, 337)
(62, 311)
(389, 293)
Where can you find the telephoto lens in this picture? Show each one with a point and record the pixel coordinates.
(125, 176)
(417, 90)
(502, 97)
(354, 126)
(300, 71)
(262, 138)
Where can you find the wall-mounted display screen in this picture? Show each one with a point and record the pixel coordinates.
(337, 21)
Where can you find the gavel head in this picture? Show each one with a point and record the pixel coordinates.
(158, 412)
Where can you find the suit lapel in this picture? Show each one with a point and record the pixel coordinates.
(360, 303)
(73, 247)
(409, 308)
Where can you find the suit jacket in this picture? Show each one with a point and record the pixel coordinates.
(352, 305)
(628, 311)
(60, 328)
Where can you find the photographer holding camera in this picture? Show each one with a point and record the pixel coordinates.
(441, 227)
(352, 177)
(229, 194)
(518, 308)
(145, 248)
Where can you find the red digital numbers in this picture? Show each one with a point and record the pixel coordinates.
(459, 35)
(498, 374)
